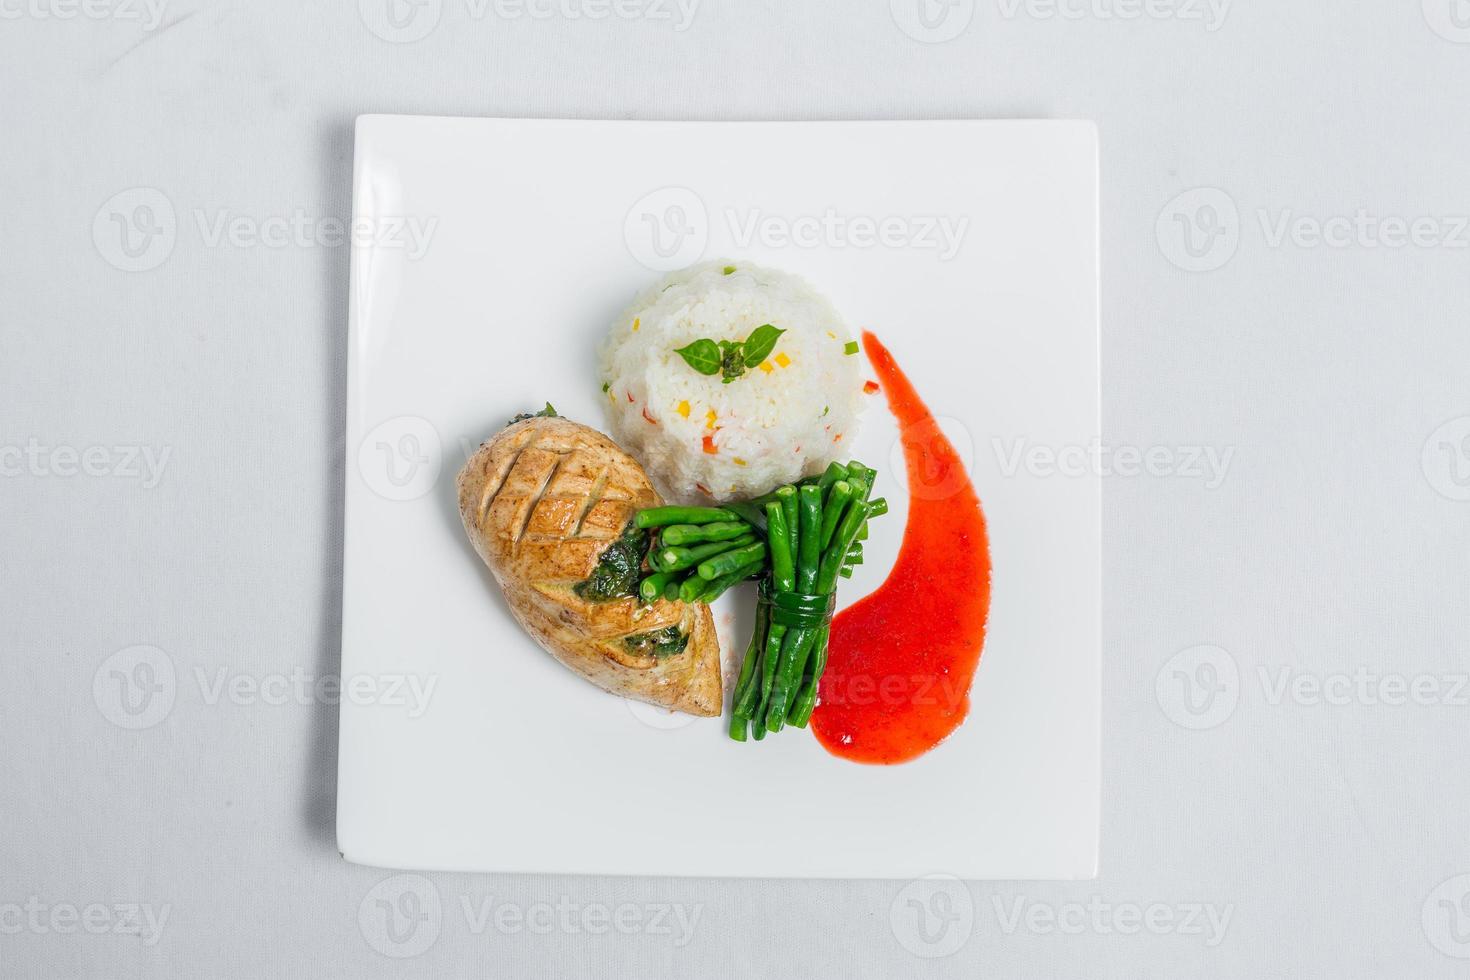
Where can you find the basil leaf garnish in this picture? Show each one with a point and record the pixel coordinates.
(760, 343)
(703, 355)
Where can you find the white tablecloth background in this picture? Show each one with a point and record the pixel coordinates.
(1326, 839)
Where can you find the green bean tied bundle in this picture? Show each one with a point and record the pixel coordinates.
(797, 540)
(813, 530)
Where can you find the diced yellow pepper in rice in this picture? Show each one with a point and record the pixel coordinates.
(635, 324)
(783, 360)
(683, 409)
(765, 366)
(709, 419)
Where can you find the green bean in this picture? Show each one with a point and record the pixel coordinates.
(786, 496)
(845, 571)
(795, 649)
(678, 559)
(806, 701)
(664, 516)
(742, 704)
(653, 586)
(835, 471)
(863, 533)
(778, 539)
(676, 535)
(833, 557)
(878, 506)
(855, 554)
(691, 588)
(837, 500)
(769, 659)
(727, 562)
(809, 543)
(748, 688)
(671, 591)
(717, 587)
(852, 522)
(775, 637)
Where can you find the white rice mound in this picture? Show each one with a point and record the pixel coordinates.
(701, 439)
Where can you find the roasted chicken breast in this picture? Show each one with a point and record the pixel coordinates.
(543, 502)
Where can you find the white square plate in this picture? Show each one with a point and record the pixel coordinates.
(489, 256)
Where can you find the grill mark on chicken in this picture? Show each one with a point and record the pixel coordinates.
(593, 496)
(493, 488)
(536, 498)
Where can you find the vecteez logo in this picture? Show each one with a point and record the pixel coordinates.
(667, 229)
(1198, 688)
(1446, 917)
(411, 234)
(404, 915)
(670, 228)
(1199, 230)
(1450, 19)
(400, 458)
(1207, 464)
(1445, 459)
(409, 21)
(942, 234)
(934, 480)
(401, 916)
(1206, 920)
(1363, 229)
(138, 687)
(144, 464)
(932, 21)
(1362, 687)
(400, 21)
(148, 14)
(135, 688)
(933, 917)
(135, 229)
(1210, 13)
(144, 920)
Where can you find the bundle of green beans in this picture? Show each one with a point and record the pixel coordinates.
(813, 530)
(798, 540)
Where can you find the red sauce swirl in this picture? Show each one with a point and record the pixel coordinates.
(902, 659)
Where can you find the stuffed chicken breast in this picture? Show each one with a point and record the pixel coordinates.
(549, 505)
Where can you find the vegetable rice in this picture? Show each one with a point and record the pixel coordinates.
(745, 428)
